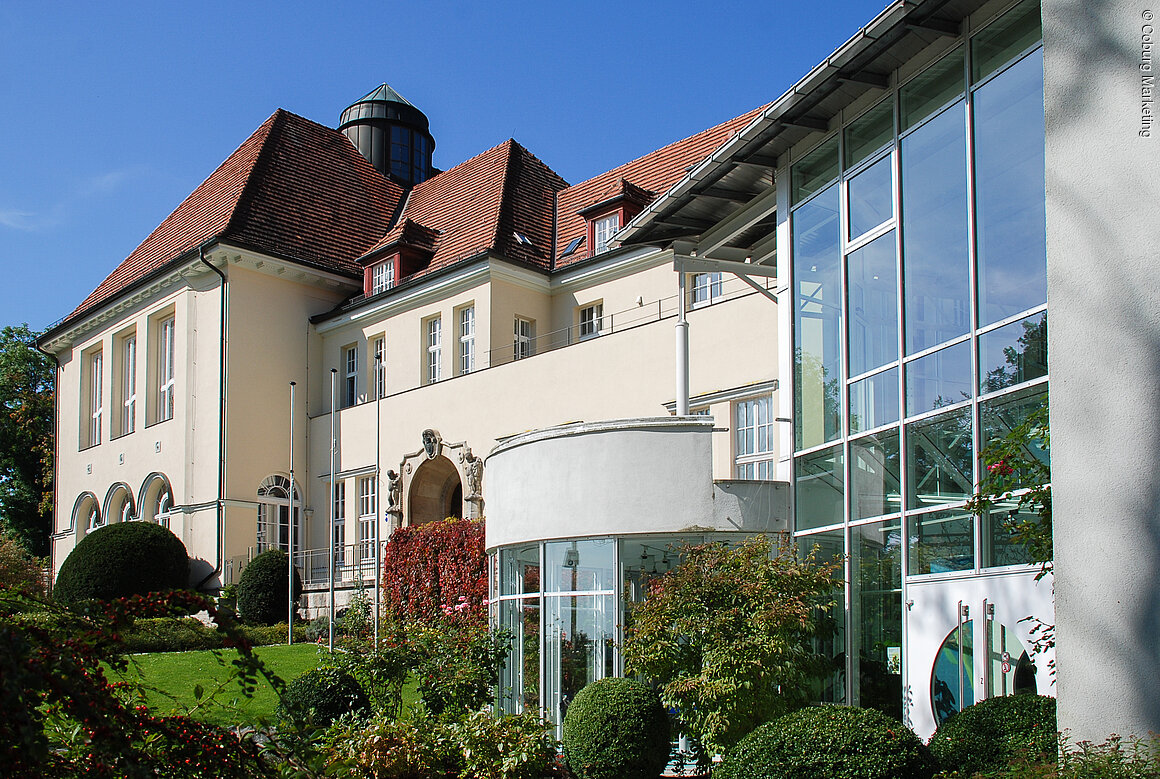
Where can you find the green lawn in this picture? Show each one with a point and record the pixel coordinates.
(170, 680)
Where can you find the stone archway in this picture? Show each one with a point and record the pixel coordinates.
(436, 492)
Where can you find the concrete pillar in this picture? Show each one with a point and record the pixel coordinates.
(1103, 268)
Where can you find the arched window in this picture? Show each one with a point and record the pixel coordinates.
(156, 499)
(119, 504)
(86, 514)
(274, 514)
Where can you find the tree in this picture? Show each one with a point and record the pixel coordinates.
(726, 636)
(27, 379)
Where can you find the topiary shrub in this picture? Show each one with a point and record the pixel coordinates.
(322, 695)
(829, 742)
(616, 729)
(123, 559)
(991, 733)
(262, 597)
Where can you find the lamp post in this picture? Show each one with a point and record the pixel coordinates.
(290, 534)
(333, 452)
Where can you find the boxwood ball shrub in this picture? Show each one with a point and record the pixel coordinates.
(122, 559)
(616, 729)
(322, 695)
(829, 742)
(991, 733)
(262, 596)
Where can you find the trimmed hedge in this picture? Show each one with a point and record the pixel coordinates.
(122, 559)
(990, 734)
(829, 742)
(262, 597)
(176, 634)
(616, 729)
(322, 695)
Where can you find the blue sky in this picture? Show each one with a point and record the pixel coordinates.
(113, 112)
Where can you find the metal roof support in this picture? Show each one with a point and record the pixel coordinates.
(750, 214)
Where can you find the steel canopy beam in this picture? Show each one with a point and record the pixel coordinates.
(747, 216)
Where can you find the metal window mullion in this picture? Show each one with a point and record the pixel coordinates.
(973, 276)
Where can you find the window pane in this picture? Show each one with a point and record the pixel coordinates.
(815, 170)
(939, 379)
(579, 632)
(932, 89)
(818, 325)
(999, 544)
(873, 286)
(1014, 32)
(941, 541)
(819, 481)
(1009, 192)
(580, 565)
(938, 460)
(874, 401)
(519, 570)
(830, 547)
(876, 487)
(869, 132)
(1013, 354)
(1000, 416)
(876, 602)
(871, 197)
(935, 262)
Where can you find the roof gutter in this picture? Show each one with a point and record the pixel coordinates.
(221, 460)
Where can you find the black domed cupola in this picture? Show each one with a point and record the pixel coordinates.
(392, 134)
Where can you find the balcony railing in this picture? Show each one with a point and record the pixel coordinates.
(352, 562)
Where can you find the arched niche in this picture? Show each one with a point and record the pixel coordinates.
(119, 504)
(436, 492)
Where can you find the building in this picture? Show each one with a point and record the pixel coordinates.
(496, 342)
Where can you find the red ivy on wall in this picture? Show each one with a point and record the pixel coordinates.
(437, 571)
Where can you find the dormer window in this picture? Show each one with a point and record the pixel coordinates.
(382, 276)
(603, 229)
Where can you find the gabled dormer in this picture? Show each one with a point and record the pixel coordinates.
(405, 250)
(616, 207)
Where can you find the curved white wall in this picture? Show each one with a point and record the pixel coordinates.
(644, 475)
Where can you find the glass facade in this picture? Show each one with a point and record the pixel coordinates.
(920, 323)
(564, 601)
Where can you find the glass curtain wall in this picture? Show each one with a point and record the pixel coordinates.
(920, 324)
(563, 602)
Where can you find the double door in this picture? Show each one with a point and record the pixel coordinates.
(971, 638)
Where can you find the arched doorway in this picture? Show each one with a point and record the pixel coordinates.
(274, 514)
(436, 492)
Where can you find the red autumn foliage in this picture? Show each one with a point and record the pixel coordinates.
(436, 572)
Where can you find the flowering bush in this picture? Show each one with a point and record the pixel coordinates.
(437, 571)
(456, 665)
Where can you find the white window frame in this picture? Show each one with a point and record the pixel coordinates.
(602, 231)
(523, 338)
(754, 438)
(367, 513)
(434, 348)
(466, 339)
(166, 374)
(382, 276)
(129, 384)
(340, 523)
(350, 375)
(591, 320)
(96, 396)
(379, 365)
(704, 289)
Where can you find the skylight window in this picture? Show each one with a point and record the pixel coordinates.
(573, 246)
(523, 239)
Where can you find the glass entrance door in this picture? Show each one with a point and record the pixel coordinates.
(969, 639)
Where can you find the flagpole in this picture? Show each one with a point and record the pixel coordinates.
(333, 450)
(290, 534)
(379, 485)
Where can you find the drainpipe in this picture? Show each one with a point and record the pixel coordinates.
(55, 455)
(221, 480)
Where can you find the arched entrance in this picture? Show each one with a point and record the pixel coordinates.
(274, 514)
(436, 492)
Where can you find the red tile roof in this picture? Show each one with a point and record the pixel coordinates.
(295, 189)
(654, 172)
(480, 205)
